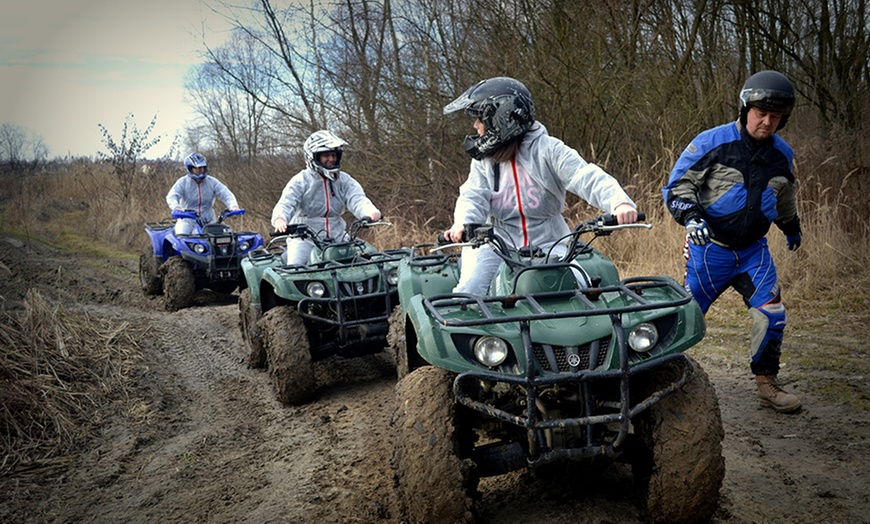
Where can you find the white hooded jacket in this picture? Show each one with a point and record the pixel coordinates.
(312, 199)
(186, 193)
(526, 207)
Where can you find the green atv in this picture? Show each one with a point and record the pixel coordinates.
(338, 304)
(561, 365)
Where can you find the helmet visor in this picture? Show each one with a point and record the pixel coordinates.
(768, 99)
(466, 101)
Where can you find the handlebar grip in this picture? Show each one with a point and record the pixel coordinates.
(611, 220)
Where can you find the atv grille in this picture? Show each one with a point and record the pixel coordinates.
(364, 287)
(570, 359)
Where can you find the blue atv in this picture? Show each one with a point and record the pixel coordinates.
(179, 265)
(336, 305)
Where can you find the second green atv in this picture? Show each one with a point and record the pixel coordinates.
(337, 304)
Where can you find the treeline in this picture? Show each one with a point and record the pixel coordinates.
(627, 83)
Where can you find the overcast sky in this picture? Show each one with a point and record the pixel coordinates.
(67, 66)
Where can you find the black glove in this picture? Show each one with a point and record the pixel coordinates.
(794, 241)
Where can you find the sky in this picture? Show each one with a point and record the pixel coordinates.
(66, 67)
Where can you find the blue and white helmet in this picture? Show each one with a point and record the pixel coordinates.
(196, 160)
(323, 141)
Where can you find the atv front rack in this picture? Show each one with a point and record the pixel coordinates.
(631, 290)
(496, 459)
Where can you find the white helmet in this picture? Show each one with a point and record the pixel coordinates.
(323, 141)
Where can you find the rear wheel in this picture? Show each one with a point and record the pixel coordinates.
(433, 483)
(288, 355)
(678, 457)
(249, 315)
(149, 273)
(179, 284)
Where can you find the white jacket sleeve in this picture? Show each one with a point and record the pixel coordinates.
(175, 198)
(355, 198)
(291, 196)
(588, 181)
(224, 194)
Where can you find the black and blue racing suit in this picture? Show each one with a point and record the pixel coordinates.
(739, 186)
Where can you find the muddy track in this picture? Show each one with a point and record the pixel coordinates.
(202, 438)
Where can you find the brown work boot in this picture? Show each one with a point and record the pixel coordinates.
(771, 394)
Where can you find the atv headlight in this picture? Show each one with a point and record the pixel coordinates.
(643, 337)
(490, 351)
(393, 277)
(199, 249)
(315, 289)
(245, 245)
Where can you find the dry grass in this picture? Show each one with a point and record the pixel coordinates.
(57, 372)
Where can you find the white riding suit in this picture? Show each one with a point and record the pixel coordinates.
(526, 206)
(311, 198)
(188, 194)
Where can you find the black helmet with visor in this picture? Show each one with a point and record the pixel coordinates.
(505, 107)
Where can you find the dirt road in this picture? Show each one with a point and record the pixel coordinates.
(201, 438)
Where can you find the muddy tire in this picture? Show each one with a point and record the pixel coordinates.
(149, 274)
(249, 315)
(433, 483)
(396, 340)
(406, 360)
(179, 285)
(678, 458)
(288, 355)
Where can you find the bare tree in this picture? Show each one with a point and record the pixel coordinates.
(126, 152)
(235, 122)
(21, 151)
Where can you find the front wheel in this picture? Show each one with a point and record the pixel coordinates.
(404, 344)
(679, 447)
(149, 273)
(433, 483)
(288, 355)
(179, 284)
(396, 340)
(249, 315)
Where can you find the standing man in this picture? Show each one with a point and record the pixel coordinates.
(726, 188)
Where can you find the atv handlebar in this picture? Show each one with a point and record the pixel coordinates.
(475, 235)
(193, 215)
(303, 231)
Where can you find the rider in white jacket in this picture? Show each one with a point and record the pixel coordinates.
(518, 180)
(197, 191)
(318, 195)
